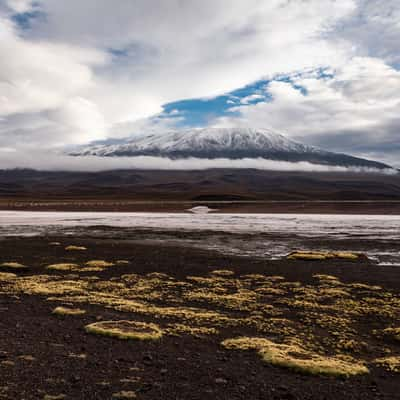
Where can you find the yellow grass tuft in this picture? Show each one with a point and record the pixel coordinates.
(321, 255)
(296, 357)
(392, 363)
(133, 379)
(68, 311)
(13, 265)
(99, 264)
(222, 272)
(267, 291)
(323, 277)
(303, 255)
(54, 397)
(346, 255)
(7, 363)
(126, 330)
(124, 395)
(395, 332)
(364, 286)
(63, 267)
(333, 292)
(27, 357)
(274, 278)
(92, 267)
(75, 248)
(5, 276)
(122, 262)
(81, 356)
(199, 331)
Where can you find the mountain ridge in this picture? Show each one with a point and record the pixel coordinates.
(230, 143)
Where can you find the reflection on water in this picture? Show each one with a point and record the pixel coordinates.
(265, 235)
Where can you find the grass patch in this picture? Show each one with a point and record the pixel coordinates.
(133, 379)
(99, 264)
(126, 330)
(63, 267)
(346, 255)
(363, 286)
(328, 278)
(14, 266)
(391, 364)
(179, 329)
(296, 358)
(75, 248)
(122, 262)
(81, 356)
(7, 276)
(125, 394)
(327, 315)
(68, 311)
(322, 255)
(7, 363)
(92, 267)
(222, 272)
(394, 332)
(27, 357)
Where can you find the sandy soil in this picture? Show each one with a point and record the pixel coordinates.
(47, 356)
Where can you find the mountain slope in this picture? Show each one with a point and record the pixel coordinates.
(235, 143)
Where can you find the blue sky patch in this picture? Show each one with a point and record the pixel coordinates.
(199, 112)
(25, 20)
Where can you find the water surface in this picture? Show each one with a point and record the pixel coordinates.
(266, 235)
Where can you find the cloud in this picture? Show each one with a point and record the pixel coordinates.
(252, 98)
(19, 6)
(374, 29)
(355, 110)
(92, 163)
(81, 69)
(76, 71)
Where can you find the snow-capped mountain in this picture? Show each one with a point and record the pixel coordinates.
(231, 143)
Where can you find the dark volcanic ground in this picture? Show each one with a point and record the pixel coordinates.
(65, 360)
(228, 190)
(123, 189)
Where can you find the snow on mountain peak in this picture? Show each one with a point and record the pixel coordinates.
(227, 143)
(203, 140)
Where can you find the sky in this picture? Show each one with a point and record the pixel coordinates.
(323, 72)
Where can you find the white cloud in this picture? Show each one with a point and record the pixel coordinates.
(19, 6)
(374, 29)
(37, 76)
(68, 163)
(251, 97)
(161, 53)
(356, 109)
(85, 70)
